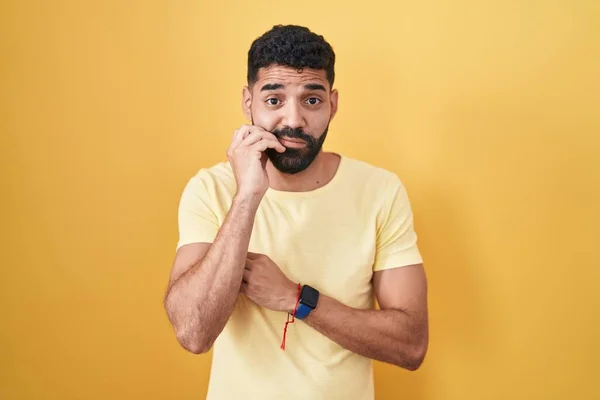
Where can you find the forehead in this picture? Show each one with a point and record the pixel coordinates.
(290, 76)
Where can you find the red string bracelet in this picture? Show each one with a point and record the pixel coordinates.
(291, 321)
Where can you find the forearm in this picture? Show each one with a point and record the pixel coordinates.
(391, 336)
(200, 301)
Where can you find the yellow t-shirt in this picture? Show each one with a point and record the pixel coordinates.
(332, 238)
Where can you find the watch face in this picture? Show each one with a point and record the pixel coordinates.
(309, 296)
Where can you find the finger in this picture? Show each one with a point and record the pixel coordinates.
(236, 139)
(246, 277)
(255, 136)
(256, 133)
(246, 130)
(268, 144)
(252, 137)
(253, 256)
(240, 134)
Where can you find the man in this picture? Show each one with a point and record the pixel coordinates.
(284, 231)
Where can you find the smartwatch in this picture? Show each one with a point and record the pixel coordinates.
(309, 297)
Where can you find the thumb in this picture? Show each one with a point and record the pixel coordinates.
(263, 159)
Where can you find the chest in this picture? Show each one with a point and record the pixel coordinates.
(330, 246)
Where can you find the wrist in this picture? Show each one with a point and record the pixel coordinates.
(247, 199)
(307, 301)
(291, 300)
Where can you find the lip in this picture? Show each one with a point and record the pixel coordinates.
(296, 143)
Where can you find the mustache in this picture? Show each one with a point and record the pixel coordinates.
(292, 133)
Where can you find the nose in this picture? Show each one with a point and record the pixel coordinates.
(293, 116)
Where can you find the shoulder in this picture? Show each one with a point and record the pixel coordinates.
(371, 175)
(214, 180)
(376, 188)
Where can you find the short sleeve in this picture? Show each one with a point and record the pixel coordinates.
(197, 220)
(396, 236)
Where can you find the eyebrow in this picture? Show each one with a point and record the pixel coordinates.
(315, 86)
(271, 86)
(275, 86)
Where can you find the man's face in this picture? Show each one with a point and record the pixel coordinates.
(296, 108)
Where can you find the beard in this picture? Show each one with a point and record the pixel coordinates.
(293, 161)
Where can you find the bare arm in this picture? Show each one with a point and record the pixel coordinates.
(205, 279)
(396, 334)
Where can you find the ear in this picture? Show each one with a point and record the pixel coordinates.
(333, 100)
(247, 102)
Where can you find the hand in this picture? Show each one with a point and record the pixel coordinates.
(248, 159)
(267, 286)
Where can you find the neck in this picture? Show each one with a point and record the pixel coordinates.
(320, 172)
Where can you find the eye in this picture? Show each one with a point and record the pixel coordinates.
(313, 101)
(272, 101)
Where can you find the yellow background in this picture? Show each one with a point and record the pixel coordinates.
(489, 111)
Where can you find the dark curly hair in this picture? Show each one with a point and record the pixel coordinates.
(291, 46)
